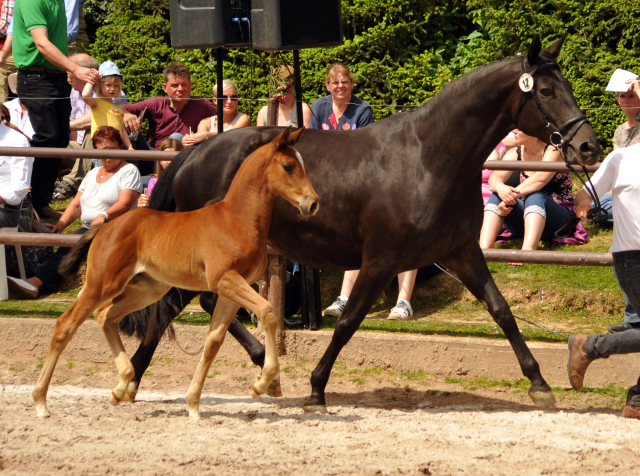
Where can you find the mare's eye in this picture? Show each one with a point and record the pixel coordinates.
(288, 168)
(546, 92)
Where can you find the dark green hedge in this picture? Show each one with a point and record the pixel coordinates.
(402, 51)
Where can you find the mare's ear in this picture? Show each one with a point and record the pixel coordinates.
(554, 49)
(282, 139)
(534, 51)
(295, 137)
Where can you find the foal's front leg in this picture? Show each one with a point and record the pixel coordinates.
(222, 316)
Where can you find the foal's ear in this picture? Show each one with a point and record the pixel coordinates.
(295, 137)
(282, 139)
(534, 51)
(554, 49)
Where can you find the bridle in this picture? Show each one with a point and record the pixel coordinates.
(560, 142)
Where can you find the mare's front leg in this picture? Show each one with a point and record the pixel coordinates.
(66, 326)
(470, 267)
(370, 283)
(140, 292)
(171, 304)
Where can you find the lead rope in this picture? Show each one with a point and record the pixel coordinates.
(517, 317)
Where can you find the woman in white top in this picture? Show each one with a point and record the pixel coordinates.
(286, 96)
(104, 194)
(233, 119)
(15, 173)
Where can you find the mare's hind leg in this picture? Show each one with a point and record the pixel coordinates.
(470, 267)
(370, 283)
(66, 326)
(173, 304)
(140, 292)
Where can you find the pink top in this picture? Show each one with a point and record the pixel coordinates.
(486, 191)
(152, 184)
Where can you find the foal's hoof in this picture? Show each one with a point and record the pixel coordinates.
(114, 399)
(315, 408)
(254, 394)
(275, 390)
(42, 411)
(194, 415)
(543, 399)
(130, 393)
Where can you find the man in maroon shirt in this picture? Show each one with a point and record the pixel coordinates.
(176, 113)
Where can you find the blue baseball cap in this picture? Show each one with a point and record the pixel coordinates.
(109, 68)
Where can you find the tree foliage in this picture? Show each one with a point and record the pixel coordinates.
(401, 51)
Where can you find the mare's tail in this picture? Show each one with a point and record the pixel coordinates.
(71, 263)
(149, 324)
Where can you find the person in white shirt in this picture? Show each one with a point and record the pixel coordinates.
(18, 111)
(15, 173)
(620, 173)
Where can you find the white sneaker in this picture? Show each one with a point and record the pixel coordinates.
(402, 311)
(335, 309)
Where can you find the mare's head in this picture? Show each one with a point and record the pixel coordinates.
(547, 109)
(287, 175)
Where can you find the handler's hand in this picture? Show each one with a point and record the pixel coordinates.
(131, 123)
(582, 210)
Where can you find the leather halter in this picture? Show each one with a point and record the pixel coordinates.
(561, 143)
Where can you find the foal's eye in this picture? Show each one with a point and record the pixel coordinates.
(288, 168)
(546, 92)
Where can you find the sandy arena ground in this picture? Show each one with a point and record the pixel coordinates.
(380, 421)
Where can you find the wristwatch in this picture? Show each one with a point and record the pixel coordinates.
(105, 215)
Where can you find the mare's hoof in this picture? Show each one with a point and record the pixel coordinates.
(543, 399)
(113, 399)
(315, 408)
(275, 390)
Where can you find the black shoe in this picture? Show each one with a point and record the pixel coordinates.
(625, 326)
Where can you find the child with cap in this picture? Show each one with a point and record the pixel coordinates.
(103, 111)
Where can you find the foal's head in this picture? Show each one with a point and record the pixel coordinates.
(287, 175)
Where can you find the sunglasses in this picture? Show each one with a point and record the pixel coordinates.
(229, 98)
(340, 83)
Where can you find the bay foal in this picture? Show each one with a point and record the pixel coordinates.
(133, 261)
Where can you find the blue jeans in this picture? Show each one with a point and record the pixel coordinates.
(555, 215)
(627, 268)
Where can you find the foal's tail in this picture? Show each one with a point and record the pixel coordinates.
(149, 324)
(71, 263)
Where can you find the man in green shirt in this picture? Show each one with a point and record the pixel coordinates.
(40, 53)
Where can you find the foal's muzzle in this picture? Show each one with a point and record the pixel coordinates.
(309, 205)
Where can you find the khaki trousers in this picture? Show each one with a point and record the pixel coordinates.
(8, 67)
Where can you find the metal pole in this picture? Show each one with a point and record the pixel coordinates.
(298, 85)
(220, 105)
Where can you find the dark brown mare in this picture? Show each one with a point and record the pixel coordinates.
(133, 261)
(397, 195)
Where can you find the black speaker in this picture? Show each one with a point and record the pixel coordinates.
(210, 23)
(295, 24)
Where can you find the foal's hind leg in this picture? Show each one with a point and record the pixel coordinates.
(66, 326)
(140, 292)
(471, 268)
